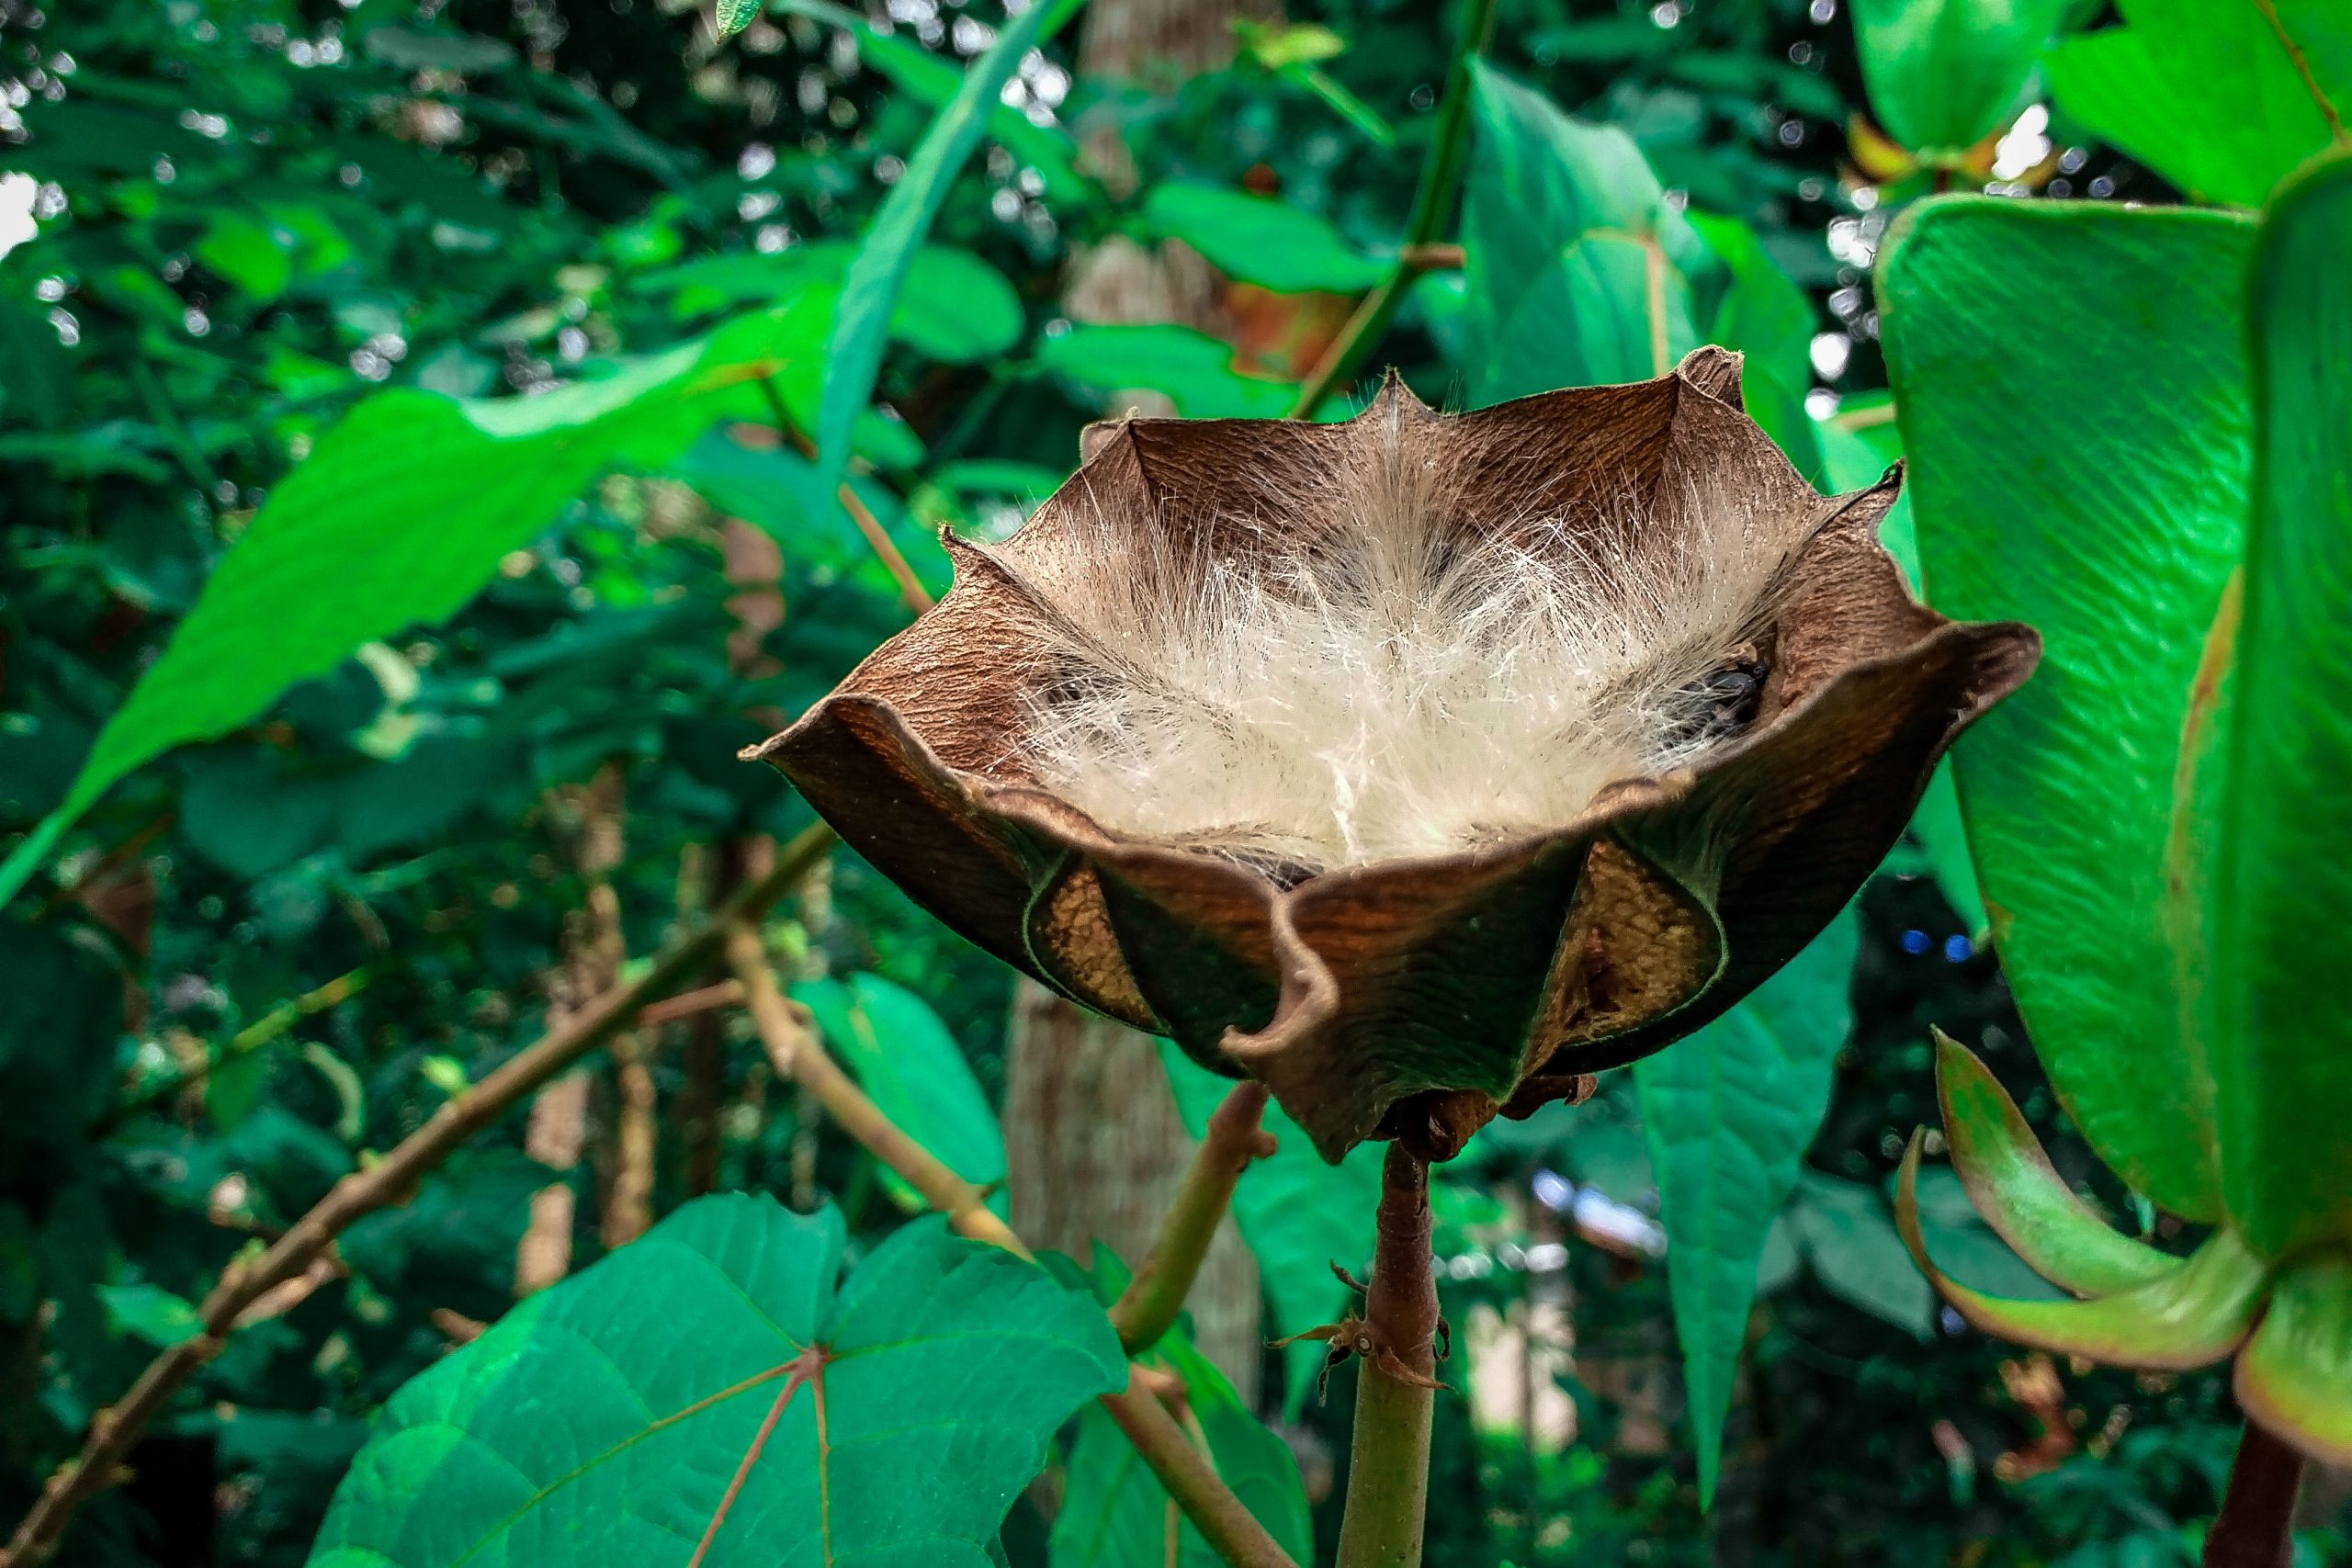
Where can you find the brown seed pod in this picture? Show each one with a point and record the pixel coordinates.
(1413, 765)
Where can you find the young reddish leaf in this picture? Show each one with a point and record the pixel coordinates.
(2021, 1194)
(2296, 1376)
(2191, 1317)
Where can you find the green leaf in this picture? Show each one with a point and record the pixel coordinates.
(1578, 268)
(706, 1392)
(1843, 1231)
(2276, 903)
(2296, 1375)
(1260, 239)
(1943, 75)
(933, 82)
(150, 1314)
(1727, 1114)
(2188, 1317)
(1765, 316)
(885, 253)
(247, 255)
(734, 16)
(1298, 1214)
(2096, 496)
(956, 308)
(2207, 94)
(2010, 1182)
(397, 518)
(907, 1061)
(1191, 368)
(1115, 1513)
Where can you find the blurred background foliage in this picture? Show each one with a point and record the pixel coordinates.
(253, 963)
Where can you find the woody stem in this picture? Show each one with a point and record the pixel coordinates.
(2258, 1509)
(1442, 166)
(1389, 1468)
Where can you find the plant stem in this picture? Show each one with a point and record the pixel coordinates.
(1232, 1532)
(1389, 1468)
(1157, 1293)
(390, 1180)
(2257, 1517)
(1432, 205)
(799, 1055)
(877, 539)
(1222, 1520)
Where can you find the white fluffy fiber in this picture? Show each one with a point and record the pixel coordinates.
(1381, 681)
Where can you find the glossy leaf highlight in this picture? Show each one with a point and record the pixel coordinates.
(2097, 497)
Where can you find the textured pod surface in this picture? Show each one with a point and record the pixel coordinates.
(1419, 863)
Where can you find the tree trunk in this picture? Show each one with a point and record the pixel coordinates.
(1095, 1148)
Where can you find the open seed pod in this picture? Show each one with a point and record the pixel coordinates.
(1415, 765)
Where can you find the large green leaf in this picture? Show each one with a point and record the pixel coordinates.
(1944, 74)
(1298, 1214)
(398, 517)
(2099, 496)
(2207, 93)
(907, 1061)
(870, 291)
(1728, 1113)
(955, 308)
(1260, 239)
(1578, 269)
(1858, 444)
(1770, 321)
(706, 1395)
(2282, 884)
(1192, 369)
(1115, 1513)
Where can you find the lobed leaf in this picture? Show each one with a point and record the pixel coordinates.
(706, 1394)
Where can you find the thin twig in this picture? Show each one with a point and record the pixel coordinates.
(269, 1026)
(798, 1053)
(390, 1180)
(1153, 1298)
(1432, 205)
(1190, 1479)
(1388, 1467)
(1193, 1483)
(686, 1004)
(2256, 1523)
(911, 589)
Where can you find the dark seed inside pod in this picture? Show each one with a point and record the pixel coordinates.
(1723, 702)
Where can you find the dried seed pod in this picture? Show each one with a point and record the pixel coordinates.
(1404, 762)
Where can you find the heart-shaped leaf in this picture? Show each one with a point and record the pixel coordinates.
(706, 1396)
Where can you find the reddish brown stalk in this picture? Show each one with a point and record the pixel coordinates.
(1388, 1469)
(2257, 1522)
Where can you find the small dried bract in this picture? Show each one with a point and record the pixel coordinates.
(1417, 764)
